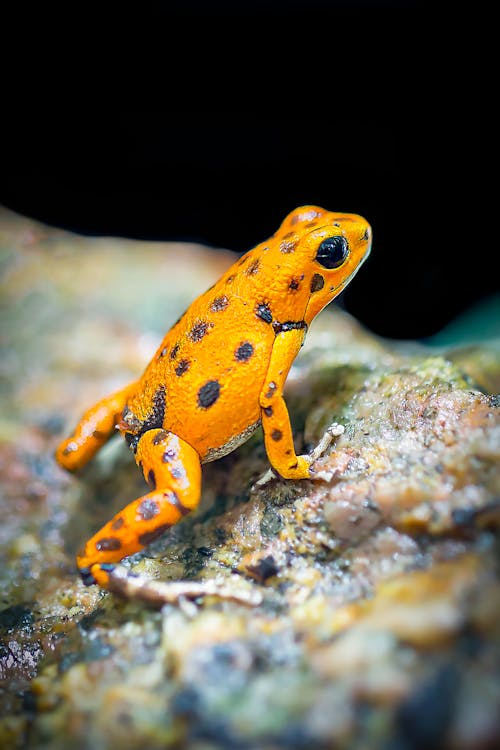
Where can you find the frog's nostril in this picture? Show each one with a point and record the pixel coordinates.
(367, 234)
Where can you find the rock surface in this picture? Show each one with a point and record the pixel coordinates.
(379, 623)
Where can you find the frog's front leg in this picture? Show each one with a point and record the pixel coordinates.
(172, 469)
(95, 427)
(278, 437)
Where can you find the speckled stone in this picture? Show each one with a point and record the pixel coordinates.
(380, 592)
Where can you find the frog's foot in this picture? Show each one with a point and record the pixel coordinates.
(95, 427)
(333, 431)
(119, 580)
(172, 468)
(98, 573)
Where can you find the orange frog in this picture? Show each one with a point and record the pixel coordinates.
(218, 374)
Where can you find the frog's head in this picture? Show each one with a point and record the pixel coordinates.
(330, 248)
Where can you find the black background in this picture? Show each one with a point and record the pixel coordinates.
(178, 121)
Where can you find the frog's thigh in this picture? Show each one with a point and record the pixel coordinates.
(93, 430)
(172, 469)
(278, 436)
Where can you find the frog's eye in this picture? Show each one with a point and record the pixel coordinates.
(333, 252)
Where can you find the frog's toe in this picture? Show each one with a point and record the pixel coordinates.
(87, 577)
(98, 573)
(319, 473)
(333, 431)
(265, 479)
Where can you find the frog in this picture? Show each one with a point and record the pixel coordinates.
(218, 374)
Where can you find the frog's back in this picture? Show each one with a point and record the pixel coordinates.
(207, 374)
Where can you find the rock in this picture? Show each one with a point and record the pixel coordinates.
(378, 624)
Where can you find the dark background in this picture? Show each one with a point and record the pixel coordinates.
(245, 114)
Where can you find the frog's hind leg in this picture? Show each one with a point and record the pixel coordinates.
(93, 430)
(172, 468)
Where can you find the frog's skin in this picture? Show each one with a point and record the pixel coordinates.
(219, 373)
